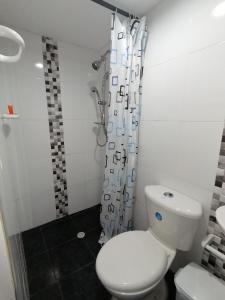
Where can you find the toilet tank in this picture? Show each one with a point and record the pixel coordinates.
(173, 217)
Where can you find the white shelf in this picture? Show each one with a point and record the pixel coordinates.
(9, 116)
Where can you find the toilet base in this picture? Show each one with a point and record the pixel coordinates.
(160, 292)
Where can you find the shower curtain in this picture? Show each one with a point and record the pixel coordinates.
(128, 40)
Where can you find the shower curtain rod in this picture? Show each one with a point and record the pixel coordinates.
(113, 8)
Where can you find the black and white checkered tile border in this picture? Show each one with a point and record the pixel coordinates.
(209, 261)
(53, 94)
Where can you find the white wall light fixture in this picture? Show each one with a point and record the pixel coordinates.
(39, 65)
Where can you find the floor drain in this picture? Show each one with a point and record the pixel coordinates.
(81, 235)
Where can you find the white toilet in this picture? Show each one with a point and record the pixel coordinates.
(133, 264)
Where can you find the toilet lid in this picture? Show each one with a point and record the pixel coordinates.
(131, 262)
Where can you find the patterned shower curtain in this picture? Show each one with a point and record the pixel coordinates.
(128, 40)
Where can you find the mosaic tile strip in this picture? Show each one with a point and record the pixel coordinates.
(55, 119)
(213, 264)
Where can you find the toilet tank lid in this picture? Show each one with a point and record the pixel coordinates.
(196, 283)
(174, 201)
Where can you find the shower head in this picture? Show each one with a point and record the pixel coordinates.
(97, 63)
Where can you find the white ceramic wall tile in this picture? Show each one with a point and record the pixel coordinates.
(206, 29)
(43, 208)
(41, 190)
(8, 93)
(41, 180)
(75, 63)
(76, 168)
(83, 158)
(76, 197)
(79, 136)
(181, 26)
(31, 55)
(163, 90)
(204, 87)
(94, 165)
(36, 138)
(199, 145)
(158, 145)
(92, 192)
(170, 31)
(77, 100)
(75, 134)
(31, 97)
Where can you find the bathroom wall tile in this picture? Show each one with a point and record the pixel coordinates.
(171, 32)
(43, 207)
(140, 212)
(158, 145)
(79, 136)
(75, 136)
(31, 55)
(176, 90)
(205, 27)
(75, 58)
(83, 195)
(40, 175)
(36, 138)
(76, 198)
(94, 165)
(77, 100)
(163, 90)
(204, 87)
(41, 190)
(178, 27)
(31, 97)
(79, 112)
(199, 145)
(93, 190)
(76, 167)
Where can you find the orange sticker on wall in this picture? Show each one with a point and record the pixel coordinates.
(10, 109)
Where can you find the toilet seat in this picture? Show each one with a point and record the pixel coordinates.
(131, 262)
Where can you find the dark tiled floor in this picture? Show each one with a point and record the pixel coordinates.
(62, 267)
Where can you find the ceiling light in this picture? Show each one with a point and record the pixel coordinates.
(39, 65)
(219, 10)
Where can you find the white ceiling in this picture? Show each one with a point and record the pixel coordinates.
(138, 7)
(81, 22)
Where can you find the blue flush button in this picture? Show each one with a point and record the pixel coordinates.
(158, 216)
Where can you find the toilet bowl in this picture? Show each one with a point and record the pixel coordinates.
(141, 259)
(132, 265)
